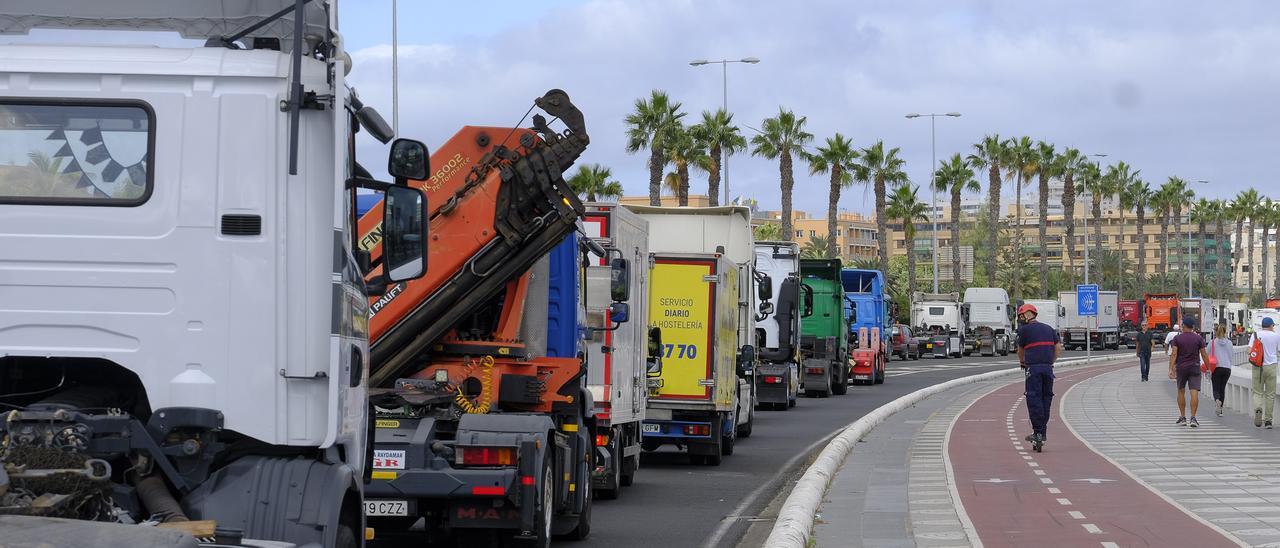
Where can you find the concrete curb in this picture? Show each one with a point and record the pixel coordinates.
(795, 519)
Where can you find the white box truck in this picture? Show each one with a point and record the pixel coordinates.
(1104, 331)
(1048, 312)
(937, 317)
(725, 231)
(185, 316)
(618, 354)
(777, 338)
(989, 320)
(1205, 314)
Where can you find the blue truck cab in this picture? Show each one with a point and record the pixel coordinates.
(866, 306)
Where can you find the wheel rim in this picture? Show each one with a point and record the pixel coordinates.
(548, 499)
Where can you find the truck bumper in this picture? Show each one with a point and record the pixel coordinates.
(864, 367)
(817, 375)
(699, 436)
(465, 498)
(937, 348)
(774, 383)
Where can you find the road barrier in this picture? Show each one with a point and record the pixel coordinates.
(795, 518)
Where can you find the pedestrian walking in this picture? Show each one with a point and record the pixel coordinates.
(1264, 378)
(1221, 350)
(1184, 366)
(1038, 348)
(1144, 352)
(1168, 340)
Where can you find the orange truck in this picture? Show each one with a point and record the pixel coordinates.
(478, 429)
(1273, 303)
(1161, 312)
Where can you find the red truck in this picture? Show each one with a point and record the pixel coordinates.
(1130, 320)
(1160, 311)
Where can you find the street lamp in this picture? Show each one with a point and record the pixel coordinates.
(1189, 291)
(933, 204)
(724, 104)
(1088, 337)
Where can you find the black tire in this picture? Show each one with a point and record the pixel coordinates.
(747, 428)
(879, 375)
(713, 460)
(583, 529)
(346, 538)
(726, 445)
(616, 464)
(811, 394)
(629, 467)
(840, 386)
(544, 511)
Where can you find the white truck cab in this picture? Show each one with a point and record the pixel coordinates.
(180, 304)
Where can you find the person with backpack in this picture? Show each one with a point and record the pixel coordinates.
(1038, 348)
(1262, 355)
(1184, 365)
(1221, 370)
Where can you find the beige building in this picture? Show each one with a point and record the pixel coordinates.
(695, 200)
(1241, 273)
(855, 233)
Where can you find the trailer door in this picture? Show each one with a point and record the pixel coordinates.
(682, 301)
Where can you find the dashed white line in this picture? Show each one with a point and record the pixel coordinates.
(1076, 514)
(1064, 502)
(1055, 491)
(1038, 472)
(1091, 528)
(1033, 465)
(1110, 545)
(1046, 481)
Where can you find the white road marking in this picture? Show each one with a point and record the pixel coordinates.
(1064, 502)
(1038, 472)
(1110, 545)
(1055, 491)
(1091, 528)
(1076, 514)
(1046, 481)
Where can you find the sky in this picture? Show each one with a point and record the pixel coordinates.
(1171, 87)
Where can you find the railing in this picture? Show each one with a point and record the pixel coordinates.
(1239, 392)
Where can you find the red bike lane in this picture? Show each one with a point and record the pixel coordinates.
(1067, 495)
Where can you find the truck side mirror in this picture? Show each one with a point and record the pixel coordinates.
(408, 160)
(766, 308)
(1062, 311)
(806, 300)
(653, 366)
(374, 123)
(964, 312)
(746, 360)
(764, 287)
(619, 280)
(619, 312)
(404, 233)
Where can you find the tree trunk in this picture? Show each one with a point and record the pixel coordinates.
(882, 226)
(955, 238)
(1182, 249)
(833, 199)
(1017, 241)
(1235, 251)
(713, 179)
(1251, 268)
(993, 222)
(1097, 232)
(1044, 222)
(1142, 248)
(682, 171)
(911, 259)
(655, 176)
(1069, 222)
(1120, 252)
(1164, 246)
(784, 171)
(1223, 260)
(1204, 252)
(1266, 257)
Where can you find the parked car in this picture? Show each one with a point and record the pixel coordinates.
(905, 344)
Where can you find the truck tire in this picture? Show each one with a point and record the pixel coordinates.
(583, 529)
(629, 467)
(615, 464)
(544, 514)
(745, 432)
(726, 445)
(347, 537)
(840, 385)
(879, 375)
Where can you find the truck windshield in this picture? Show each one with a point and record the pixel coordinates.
(935, 310)
(94, 153)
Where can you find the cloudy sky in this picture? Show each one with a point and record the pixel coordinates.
(1171, 87)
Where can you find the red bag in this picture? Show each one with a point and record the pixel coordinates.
(1255, 352)
(1209, 366)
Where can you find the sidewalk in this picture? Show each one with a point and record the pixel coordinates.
(1115, 472)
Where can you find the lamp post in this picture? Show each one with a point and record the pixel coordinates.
(1088, 337)
(933, 204)
(395, 71)
(1190, 293)
(724, 103)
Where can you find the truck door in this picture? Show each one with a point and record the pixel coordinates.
(682, 302)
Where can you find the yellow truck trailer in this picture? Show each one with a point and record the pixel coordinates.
(693, 300)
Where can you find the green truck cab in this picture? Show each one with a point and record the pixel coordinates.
(824, 344)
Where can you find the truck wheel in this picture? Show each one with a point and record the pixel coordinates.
(726, 445)
(346, 537)
(615, 465)
(840, 386)
(629, 467)
(583, 530)
(879, 375)
(745, 432)
(544, 514)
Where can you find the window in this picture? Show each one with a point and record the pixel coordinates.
(75, 152)
(799, 233)
(813, 233)
(935, 310)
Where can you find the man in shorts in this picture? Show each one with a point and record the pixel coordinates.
(1186, 351)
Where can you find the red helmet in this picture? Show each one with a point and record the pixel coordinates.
(1028, 308)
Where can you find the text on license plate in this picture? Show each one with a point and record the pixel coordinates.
(386, 508)
(655, 428)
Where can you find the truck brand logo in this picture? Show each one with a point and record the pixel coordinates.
(509, 514)
(386, 299)
(384, 423)
(393, 460)
(372, 239)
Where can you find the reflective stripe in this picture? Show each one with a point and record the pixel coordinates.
(1035, 344)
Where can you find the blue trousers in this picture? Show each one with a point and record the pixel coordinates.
(1039, 396)
(1144, 364)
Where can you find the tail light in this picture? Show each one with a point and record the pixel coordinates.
(486, 456)
(773, 380)
(813, 370)
(697, 430)
(488, 491)
(602, 440)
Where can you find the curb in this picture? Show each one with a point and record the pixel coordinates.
(795, 519)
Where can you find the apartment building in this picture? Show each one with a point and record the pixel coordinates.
(856, 235)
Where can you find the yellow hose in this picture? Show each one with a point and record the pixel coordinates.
(486, 391)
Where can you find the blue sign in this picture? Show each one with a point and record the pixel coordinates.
(1087, 300)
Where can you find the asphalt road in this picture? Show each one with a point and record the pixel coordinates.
(675, 504)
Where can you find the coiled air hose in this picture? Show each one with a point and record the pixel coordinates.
(484, 402)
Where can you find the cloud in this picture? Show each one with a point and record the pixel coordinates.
(1170, 87)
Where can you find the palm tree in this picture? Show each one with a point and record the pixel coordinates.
(1092, 181)
(1220, 218)
(1265, 215)
(717, 134)
(1119, 177)
(905, 206)
(1019, 166)
(956, 177)
(989, 153)
(648, 126)
(1044, 165)
(1202, 215)
(1242, 209)
(835, 158)
(816, 248)
(880, 167)
(593, 182)
(1180, 196)
(779, 137)
(1139, 193)
(1160, 203)
(1068, 165)
(768, 232)
(683, 151)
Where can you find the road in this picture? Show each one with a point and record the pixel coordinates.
(674, 504)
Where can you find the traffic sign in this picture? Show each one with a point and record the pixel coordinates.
(1087, 300)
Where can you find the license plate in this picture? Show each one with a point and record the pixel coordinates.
(386, 508)
(651, 428)
(929, 346)
(861, 377)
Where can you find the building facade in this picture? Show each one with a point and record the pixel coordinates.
(856, 236)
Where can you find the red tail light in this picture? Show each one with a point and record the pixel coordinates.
(602, 440)
(486, 456)
(773, 380)
(488, 491)
(697, 430)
